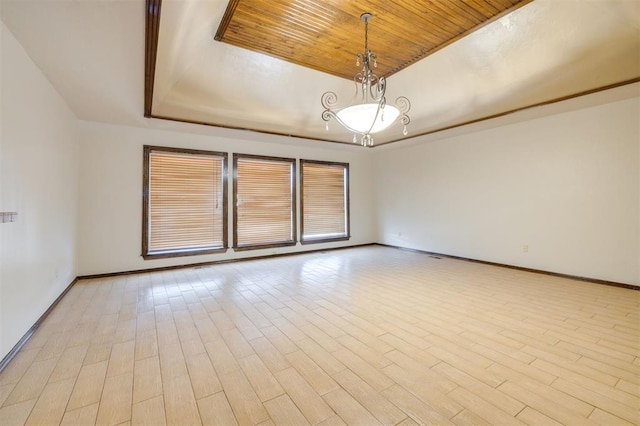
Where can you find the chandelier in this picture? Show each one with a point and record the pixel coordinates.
(369, 113)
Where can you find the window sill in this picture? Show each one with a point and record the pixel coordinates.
(264, 246)
(164, 255)
(325, 240)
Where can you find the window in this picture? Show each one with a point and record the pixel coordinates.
(184, 202)
(264, 202)
(325, 201)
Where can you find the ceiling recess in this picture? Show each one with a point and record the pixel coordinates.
(324, 35)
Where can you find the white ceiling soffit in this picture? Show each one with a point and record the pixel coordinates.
(93, 52)
(545, 50)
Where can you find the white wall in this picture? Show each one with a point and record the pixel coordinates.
(565, 185)
(110, 215)
(38, 167)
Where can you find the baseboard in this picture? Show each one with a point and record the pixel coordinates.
(14, 351)
(449, 256)
(520, 268)
(216, 262)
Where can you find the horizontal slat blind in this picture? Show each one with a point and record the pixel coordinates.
(324, 200)
(264, 201)
(186, 201)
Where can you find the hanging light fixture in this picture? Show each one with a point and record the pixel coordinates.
(370, 113)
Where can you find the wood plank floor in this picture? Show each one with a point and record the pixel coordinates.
(363, 336)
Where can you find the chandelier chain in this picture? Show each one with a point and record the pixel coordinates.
(366, 36)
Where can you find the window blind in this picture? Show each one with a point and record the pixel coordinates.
(186, 205)
(264, 193)
(325, 200)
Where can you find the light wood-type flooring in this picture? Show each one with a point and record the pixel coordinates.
(363, 336)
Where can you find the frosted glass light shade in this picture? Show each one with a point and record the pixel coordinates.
(359, 117)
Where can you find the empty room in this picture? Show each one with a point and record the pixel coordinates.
(292, 212)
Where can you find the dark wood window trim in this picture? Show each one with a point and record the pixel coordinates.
(290, 242)
(291, 162)
(146, 254)
(347, 235)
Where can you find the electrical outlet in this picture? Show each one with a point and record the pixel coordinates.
(525, 248)
(6, 217)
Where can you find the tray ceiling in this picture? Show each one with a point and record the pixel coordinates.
(326, 36)
(94, 54)
(479, 59)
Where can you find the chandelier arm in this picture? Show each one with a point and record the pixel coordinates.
(380, 87)
(403, 104)
(358, 79)
(329, 99)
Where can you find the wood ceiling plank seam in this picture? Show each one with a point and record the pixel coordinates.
(388, 20)
(289, 20)
(282, 51)
(483, 7)
(353, 9)
(502, 4)
(295, 33)
(453, 13)
(278, 30)
(261, 38)
(466, 11)
(277, 16)
(281, 21)
(408, 37)
(413, 14)
(315, 9)
(439, 17)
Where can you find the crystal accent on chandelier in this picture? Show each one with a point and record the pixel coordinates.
(370, 114)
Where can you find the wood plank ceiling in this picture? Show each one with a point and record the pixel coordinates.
(327, 35)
